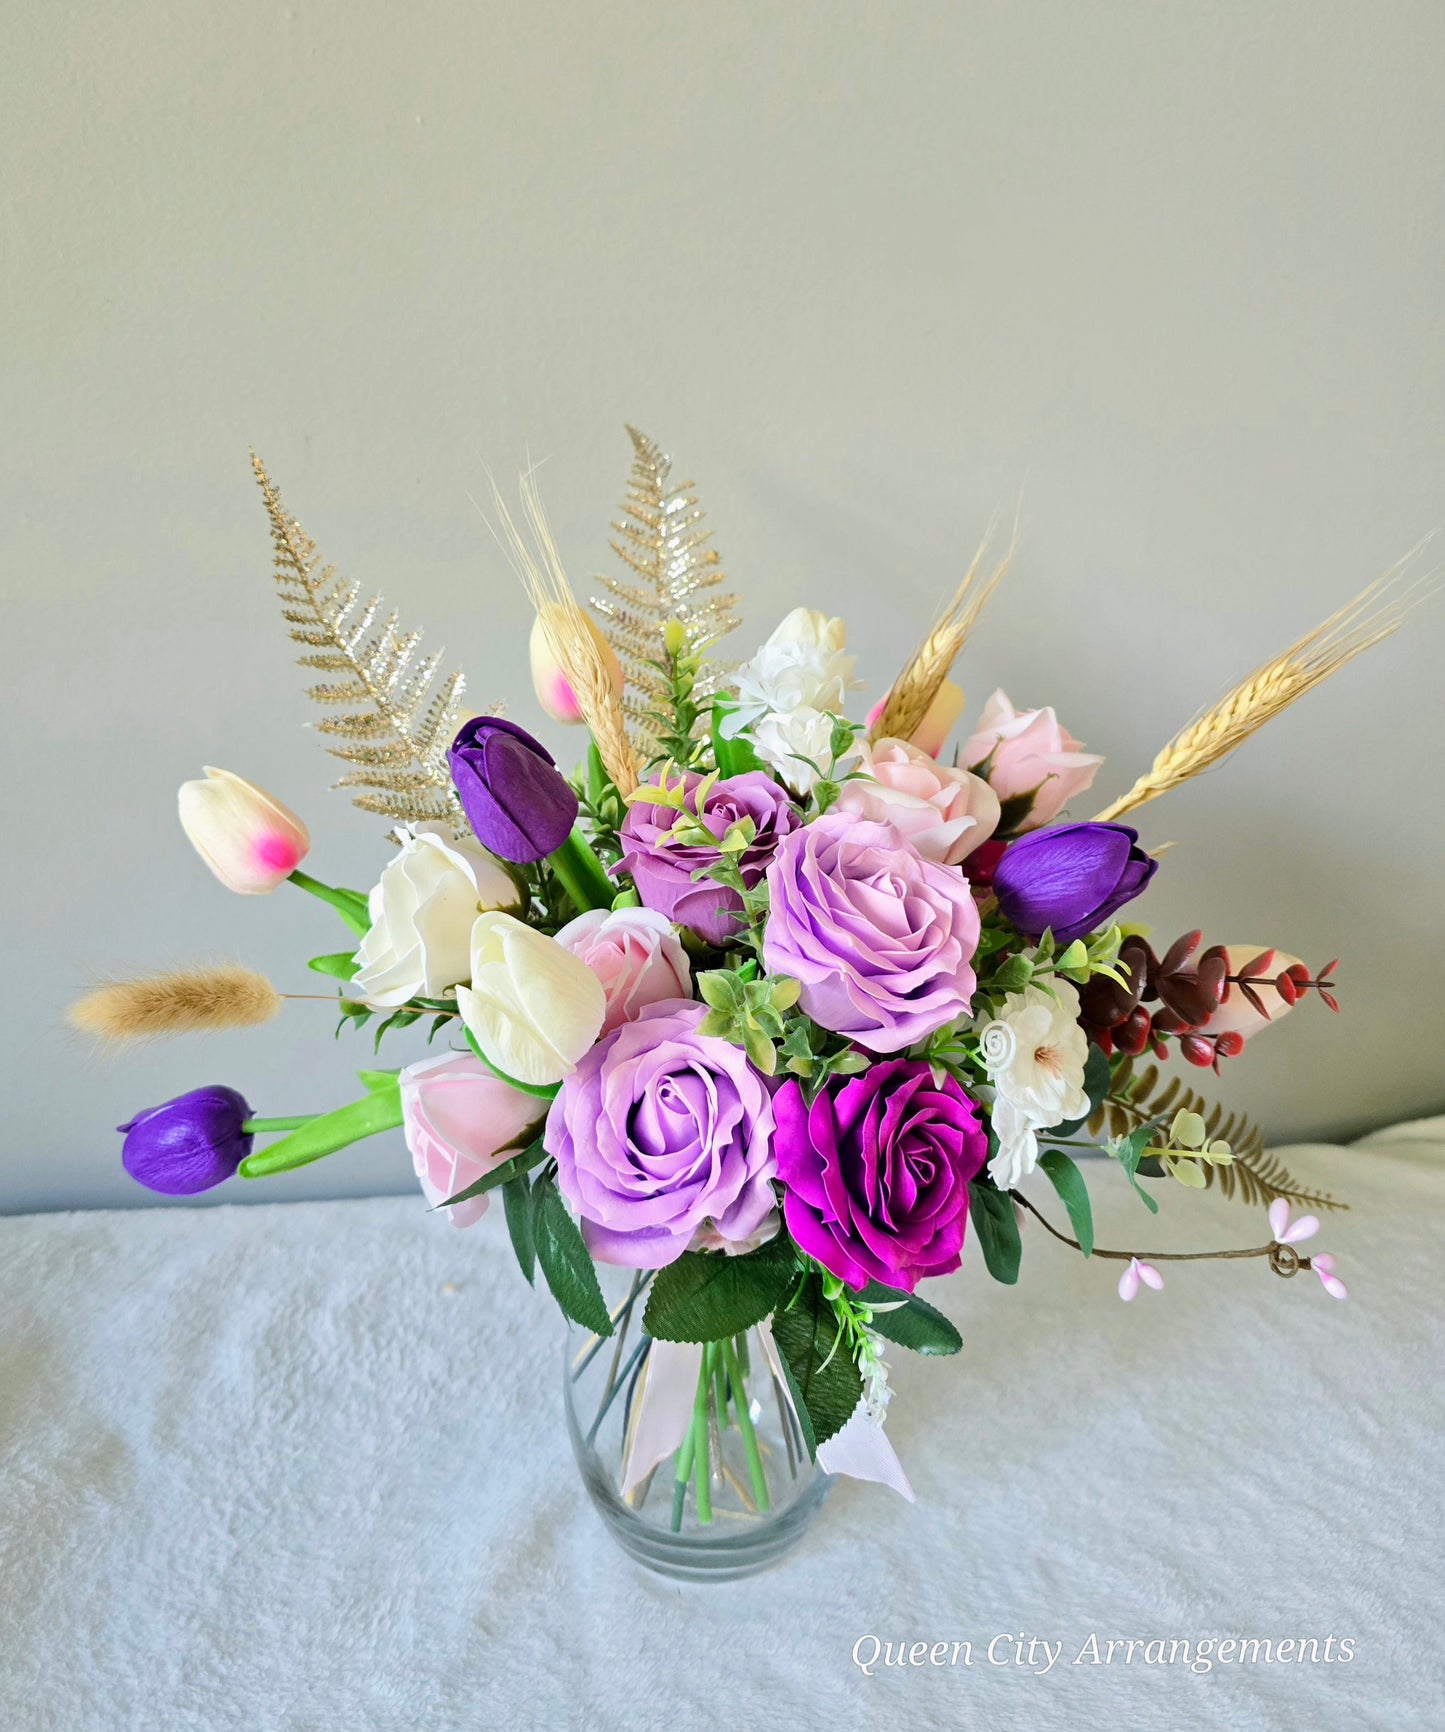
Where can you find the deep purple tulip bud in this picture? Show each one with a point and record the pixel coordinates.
(515, 798)
(1071, 878)
(190, 1143)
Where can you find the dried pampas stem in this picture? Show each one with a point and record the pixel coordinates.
(917, 686)
(183, 1001)
(1373, 615)
(539, 565)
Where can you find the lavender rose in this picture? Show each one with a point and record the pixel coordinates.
(880, 939)
(663, 872)
(658, 1130)
(876, 1172)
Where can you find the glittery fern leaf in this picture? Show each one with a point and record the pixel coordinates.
(675, 574)
(386, 715)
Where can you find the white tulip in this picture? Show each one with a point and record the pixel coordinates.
(532, 1007)
(422, 914)
(247, 838)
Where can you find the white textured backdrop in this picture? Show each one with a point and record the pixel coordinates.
(867, 270)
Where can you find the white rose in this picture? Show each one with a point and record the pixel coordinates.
(422, 912)
(1034, 1052)
(944, 812)
(532, 1007)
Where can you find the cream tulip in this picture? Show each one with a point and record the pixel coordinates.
(553, 688)
(532, 1007)
(248, 839)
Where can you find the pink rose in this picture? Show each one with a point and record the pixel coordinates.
(944, 812)
(636, 955)
(459, 1120)
(1236, 1015)
(1033, 765)
(938, 719)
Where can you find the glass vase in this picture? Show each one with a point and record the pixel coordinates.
(738, 1490)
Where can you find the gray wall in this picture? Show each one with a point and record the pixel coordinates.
(868, 269)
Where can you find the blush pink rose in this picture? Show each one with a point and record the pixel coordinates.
(1236, 1015)
(1034, 765)
(944, 812)
(459, 1120)
(636, 955)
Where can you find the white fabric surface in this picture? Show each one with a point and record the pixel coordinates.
(303, 1467)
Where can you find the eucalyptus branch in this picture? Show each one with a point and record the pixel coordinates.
(1283, 1259)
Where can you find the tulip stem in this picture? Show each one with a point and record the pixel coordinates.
(349, 904)
(582, 874)
(324, 1133)
(264, 1125)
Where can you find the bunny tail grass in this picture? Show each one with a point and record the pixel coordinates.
(183, 1001)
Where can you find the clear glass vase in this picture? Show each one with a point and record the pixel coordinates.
(736, 1493)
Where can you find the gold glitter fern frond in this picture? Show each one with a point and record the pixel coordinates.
(675, 575)
(388, 716)
(1375, 614)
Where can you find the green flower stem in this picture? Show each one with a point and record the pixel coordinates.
(349, 904)
(327, 1132)
(263, 1125)
(720, 1387)
(745, 1426)
(684, 1471)
(582, 875)
(701, 1451)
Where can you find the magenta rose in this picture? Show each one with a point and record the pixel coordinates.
(875, 1172)
(880, 939)
(663, 871)
(658, 1130)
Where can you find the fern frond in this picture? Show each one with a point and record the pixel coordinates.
(1254, 1176)
(392, 726)
(660, 539)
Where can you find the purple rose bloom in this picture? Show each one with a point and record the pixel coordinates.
(880, 938)
(876, 1170)
(1071, 878)
(663, 872)
(658, 1130)
(515, 798)
(190, 1143)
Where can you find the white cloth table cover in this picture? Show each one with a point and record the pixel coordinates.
(304, 1467)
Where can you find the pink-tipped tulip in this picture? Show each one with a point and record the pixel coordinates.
(553, 688)
(250, 841)
(934, 729)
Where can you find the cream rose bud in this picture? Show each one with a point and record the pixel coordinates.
(247, 838)
(812, 628)
(553, 688)
(944, 812)
(1034, 766)
(1237, 1015)
(635, 953)
(422, 913)
(533, 1007)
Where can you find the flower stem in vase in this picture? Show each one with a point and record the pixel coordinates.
(701, 1444)
(745, 1426)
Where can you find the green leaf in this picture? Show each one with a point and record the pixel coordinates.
(1017, 972)
(517, 1201)
(824, 1383)
(341, 964)
(380, 1110)
(997, 1227)
(913, 1323)
(565, 1261)
(1097, 1077)
(378, 1082)
(543, 1091)
(1128, 1153)
(351, 905)
(707, 1296)
(527, 1157)
(720, 988)
(733, 757)
(1068, 1181)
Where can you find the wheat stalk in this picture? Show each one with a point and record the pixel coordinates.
(181, 1001)
(912, 693)
(1375, 614)
(569, 636)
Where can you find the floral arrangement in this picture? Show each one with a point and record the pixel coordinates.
(765, 1003)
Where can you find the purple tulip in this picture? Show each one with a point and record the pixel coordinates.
(1071, 878)
(515, 798)
(190, 1143)
(875, 1171)
(663, 871)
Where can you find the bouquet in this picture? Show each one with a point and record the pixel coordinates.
(768, 1006)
